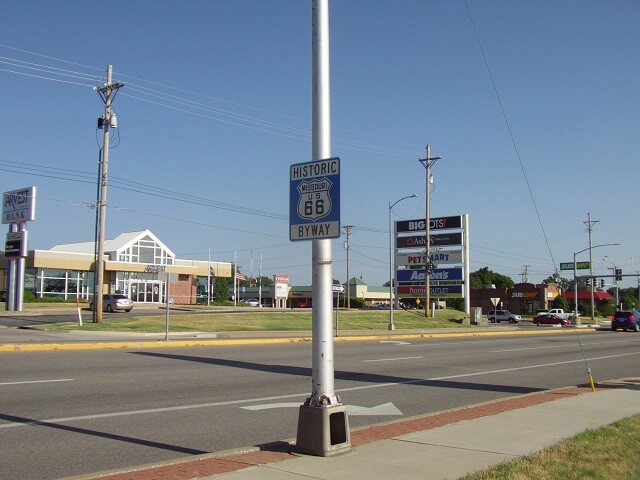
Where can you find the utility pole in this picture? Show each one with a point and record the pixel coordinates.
(428, 163)
(589, 223)
(347, 234)
(525, 274)
(107, 93)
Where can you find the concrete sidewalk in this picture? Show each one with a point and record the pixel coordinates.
(441, 446)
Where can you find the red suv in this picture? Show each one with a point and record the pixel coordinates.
(626, 319)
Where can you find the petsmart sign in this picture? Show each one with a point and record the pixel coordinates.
(314, 200)
(443, 257)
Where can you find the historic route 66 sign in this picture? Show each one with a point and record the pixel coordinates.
(314, 203)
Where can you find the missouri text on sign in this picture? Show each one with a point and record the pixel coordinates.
(314, 200)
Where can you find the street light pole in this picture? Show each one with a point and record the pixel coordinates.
(575, 282)
(391, 262)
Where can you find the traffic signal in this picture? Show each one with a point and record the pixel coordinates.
(588, 282)
(618, 274)
(602, 283)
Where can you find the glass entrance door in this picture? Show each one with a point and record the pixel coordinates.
(147, 292)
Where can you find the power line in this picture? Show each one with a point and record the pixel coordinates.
(513, 140)
(191, 107)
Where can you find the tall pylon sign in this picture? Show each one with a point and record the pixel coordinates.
(18, 207)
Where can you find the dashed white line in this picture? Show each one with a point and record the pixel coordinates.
(392, 359)
(25, 382)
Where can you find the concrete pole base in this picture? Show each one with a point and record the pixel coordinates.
(323, 431)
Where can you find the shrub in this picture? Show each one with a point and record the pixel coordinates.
(28, 296)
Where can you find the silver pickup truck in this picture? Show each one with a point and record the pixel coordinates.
(497, 316)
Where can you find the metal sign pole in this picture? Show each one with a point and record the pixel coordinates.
(323, 428)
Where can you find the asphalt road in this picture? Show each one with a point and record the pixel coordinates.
(69, 413)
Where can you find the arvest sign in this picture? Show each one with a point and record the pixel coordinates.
(19, 206)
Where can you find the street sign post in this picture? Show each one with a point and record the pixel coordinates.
(314, 200)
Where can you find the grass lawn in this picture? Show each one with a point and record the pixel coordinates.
(251, 319)
(607, 453)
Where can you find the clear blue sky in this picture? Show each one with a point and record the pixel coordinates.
(217, 106)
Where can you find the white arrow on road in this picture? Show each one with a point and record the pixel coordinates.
(384, 409)
(356, 410)
(395, 342)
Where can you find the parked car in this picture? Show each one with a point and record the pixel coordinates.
(380, 306)
(626, 319)
(550, 319)
(252, 302)
(115, 301)
(497, 316)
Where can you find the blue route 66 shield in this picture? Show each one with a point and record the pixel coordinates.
(314, 201)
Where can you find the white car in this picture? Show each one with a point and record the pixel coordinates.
(115, 301)
(252, 302)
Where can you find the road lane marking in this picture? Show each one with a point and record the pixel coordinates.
(25, 382)
(268, 406)
(303, 395)
(558, 346)
(357, 410)
(392, 359)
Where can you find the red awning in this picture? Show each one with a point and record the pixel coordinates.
(582, 295)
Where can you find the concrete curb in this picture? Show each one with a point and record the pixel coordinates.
(221, 342)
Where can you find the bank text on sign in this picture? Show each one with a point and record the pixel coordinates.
(314, 200)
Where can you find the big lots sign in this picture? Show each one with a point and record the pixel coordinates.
(439, 223)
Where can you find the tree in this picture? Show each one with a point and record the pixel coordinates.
(560, 302)
(629, 298)
(221, 289)
(564, 283)
(483, 277)
(264, 281)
